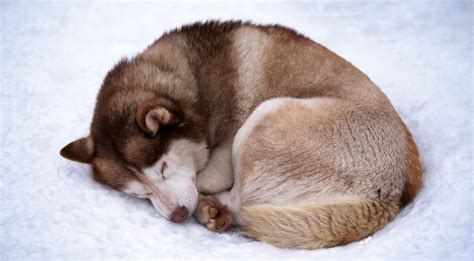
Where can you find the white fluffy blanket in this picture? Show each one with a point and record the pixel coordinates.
(55, 54)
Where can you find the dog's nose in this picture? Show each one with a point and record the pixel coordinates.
(179, 214)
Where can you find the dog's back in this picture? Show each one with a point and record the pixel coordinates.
(330, 165)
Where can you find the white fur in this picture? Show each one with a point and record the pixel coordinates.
(249, 46)
(136, 189)
(174, 187)
(217, 176)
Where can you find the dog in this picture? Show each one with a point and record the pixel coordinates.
(253, 126)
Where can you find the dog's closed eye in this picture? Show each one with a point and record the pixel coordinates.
(138, 195)
(162, 169)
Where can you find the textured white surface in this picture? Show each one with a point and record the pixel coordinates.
(53, 59)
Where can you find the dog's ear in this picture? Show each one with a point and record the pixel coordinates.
(81, 150)
(153, 113)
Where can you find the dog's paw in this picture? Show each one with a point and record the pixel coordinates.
(219, 219)
(213, 216)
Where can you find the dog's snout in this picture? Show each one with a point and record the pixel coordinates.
(179, 214)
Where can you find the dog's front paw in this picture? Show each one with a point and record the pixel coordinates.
(212, 215)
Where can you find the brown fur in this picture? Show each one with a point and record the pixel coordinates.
(330, 166)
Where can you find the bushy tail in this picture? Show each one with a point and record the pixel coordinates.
(315, 225)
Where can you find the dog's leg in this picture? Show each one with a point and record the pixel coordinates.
(212, 214)
(217, 176)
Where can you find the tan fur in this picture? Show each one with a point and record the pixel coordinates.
(318, 154)
(250, 47)
(315, 225)
(414, 173)
(309, 152)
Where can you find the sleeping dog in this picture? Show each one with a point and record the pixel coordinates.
(253, 126)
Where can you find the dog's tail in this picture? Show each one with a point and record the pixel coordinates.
(315, 225)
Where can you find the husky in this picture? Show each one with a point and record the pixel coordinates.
(252, 126)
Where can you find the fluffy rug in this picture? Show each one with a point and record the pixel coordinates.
(54, 56)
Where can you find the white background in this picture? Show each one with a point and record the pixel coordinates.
(54, 56)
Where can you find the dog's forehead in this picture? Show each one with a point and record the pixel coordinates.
(125, 104)
(142, 152)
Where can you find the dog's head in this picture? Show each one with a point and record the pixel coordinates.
(144, 142)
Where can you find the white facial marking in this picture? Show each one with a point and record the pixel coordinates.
(171, 180)
(136, 189)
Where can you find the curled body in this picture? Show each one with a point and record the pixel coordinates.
(253, 126)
